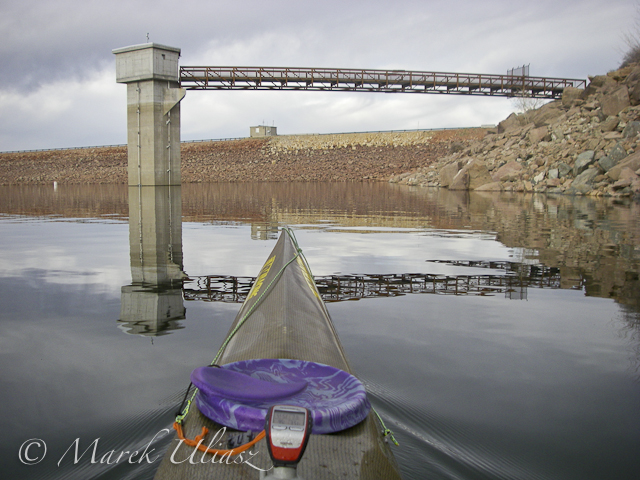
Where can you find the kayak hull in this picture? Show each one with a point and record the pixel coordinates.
(284, 318)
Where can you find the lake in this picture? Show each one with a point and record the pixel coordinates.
(498, 335)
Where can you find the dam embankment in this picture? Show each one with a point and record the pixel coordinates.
(336, 157)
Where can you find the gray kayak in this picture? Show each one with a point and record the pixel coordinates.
(283, 317)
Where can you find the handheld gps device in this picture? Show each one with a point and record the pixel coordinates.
(288, 429)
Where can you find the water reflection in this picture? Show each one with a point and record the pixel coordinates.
(513, 284)
(265, 231)
(152, 304)
(476, 386)
(594, 242)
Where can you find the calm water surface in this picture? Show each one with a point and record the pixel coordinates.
(499, 336)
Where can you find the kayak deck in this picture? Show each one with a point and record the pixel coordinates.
(283, 317)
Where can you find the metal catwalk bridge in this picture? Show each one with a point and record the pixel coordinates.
(337, 288)
(365, 80)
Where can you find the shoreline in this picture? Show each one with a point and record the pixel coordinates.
(587, 143)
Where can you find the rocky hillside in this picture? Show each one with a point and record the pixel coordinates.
(583, 144)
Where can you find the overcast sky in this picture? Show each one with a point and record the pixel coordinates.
(57, 74)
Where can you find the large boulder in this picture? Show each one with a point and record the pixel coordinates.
(473, 175)
(460, 181)
(627, 178)
(633, 84)
(615, 101)
(583, 161)
(585, 178)
(563, 169)
(581, 185)
(508, 172)
(536, 135)
(599, 83)
(606, 163)
(618, 153)
(448, 173)
(610, 124)
(546, 114)
(570, 95)
(478, 174)
(539, 177)
(632, 162)
(631, 130)
(511, 122)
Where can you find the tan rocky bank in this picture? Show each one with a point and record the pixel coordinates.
(584, 144)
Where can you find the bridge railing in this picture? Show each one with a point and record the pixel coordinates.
(390, 81)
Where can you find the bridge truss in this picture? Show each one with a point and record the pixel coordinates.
(366, 80)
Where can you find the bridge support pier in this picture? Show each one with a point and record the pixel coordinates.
(151, 74)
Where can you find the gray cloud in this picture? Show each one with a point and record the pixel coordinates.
(67, 45)
(44, 41)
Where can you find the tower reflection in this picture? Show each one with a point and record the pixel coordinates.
(153, 304)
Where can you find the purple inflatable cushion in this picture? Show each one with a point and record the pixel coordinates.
(222, 382)
(336, 399)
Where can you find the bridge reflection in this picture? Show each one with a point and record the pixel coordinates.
(513, 284)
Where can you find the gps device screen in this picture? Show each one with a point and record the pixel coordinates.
(289, 418)
(288, 429)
